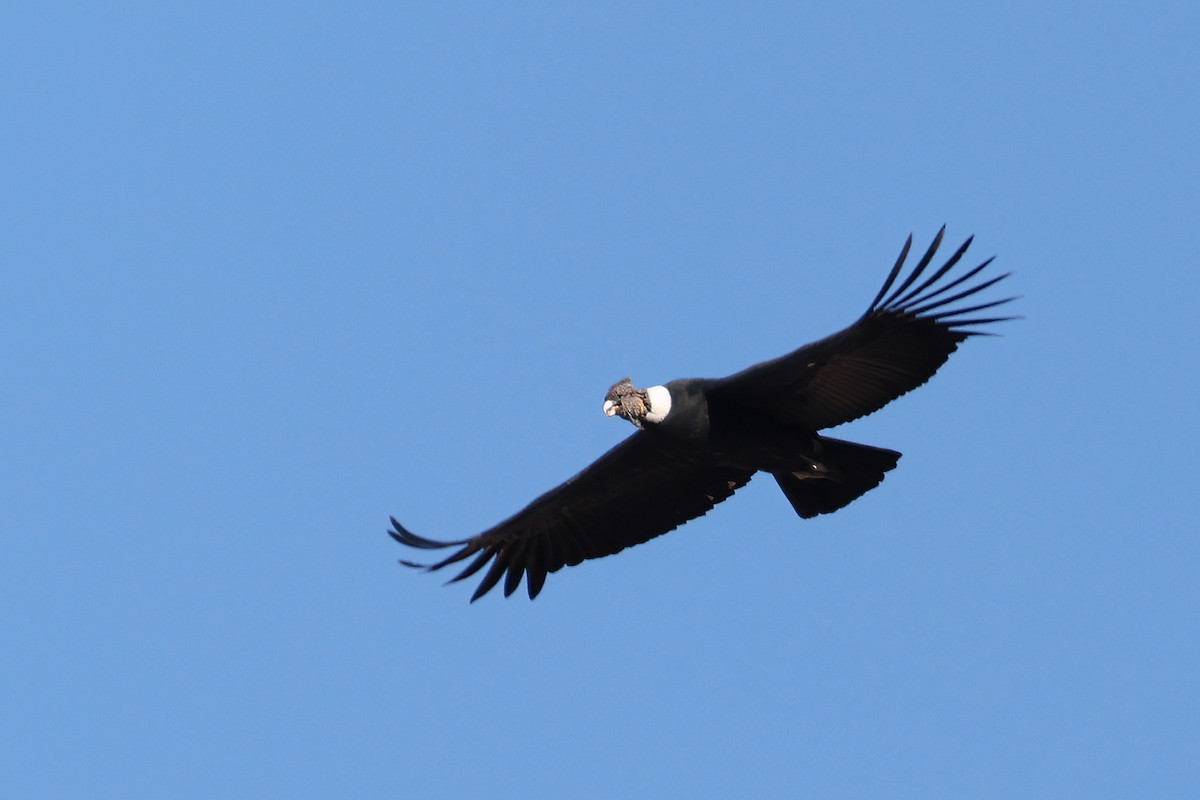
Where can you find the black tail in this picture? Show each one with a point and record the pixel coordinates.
(852, 471)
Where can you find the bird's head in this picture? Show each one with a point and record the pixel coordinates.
(639, 406)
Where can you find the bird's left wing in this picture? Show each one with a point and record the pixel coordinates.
(642, 488)
(897, 345)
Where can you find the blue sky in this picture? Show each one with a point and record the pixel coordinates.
(275, 271)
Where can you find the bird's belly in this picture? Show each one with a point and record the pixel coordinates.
(775, 450)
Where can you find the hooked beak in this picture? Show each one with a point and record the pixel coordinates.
(610, 408)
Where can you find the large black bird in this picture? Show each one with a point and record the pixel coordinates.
(701, 439)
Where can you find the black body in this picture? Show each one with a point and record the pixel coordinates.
(719, 432)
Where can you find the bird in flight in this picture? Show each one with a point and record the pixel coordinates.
(699, 440)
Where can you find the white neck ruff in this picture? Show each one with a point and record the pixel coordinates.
(660, 403)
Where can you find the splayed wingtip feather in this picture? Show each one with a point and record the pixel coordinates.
(891, 278)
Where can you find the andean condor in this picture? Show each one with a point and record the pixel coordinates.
(701, 439)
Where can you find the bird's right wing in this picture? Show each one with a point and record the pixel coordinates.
(642, 488)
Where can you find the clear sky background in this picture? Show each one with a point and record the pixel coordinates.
(274, 271)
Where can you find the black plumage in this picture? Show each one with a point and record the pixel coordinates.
(700, 440)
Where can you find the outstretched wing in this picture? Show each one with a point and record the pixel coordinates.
(642, 488)
(897, 345)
